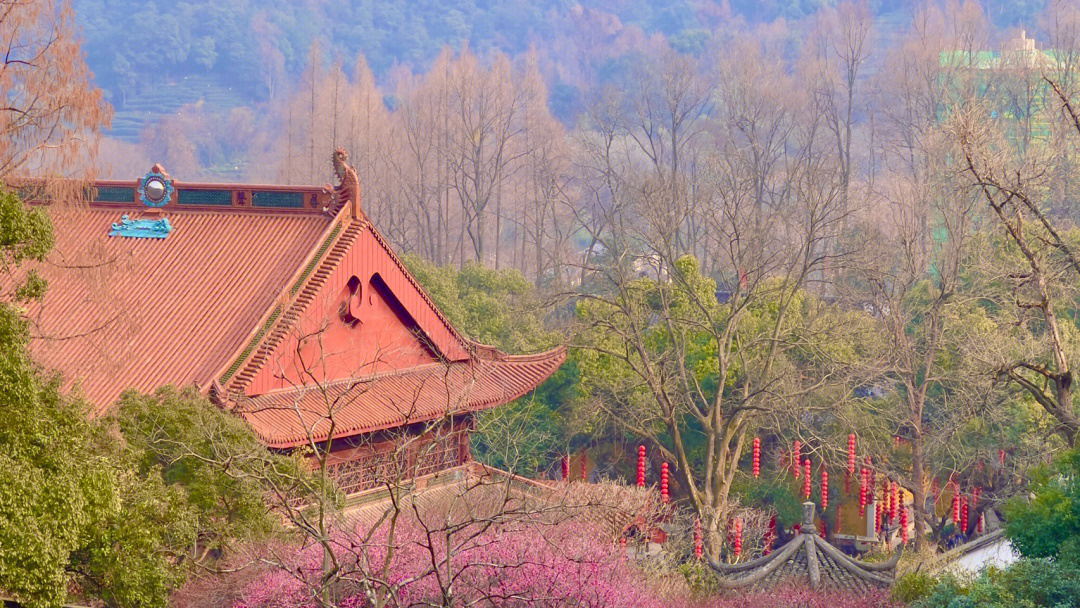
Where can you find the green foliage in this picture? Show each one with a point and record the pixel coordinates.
(497, 307)
(25, 235)
(131, 560)
(682, 325)
(1048, 525)
(197, 37)
(70, 513)
(947, 592)
(913, 586)
(519, 436)
(1045, 529)
(771, 493)
(212, 461)
(54, 490)
(502, 308)
(699, 577)
(1026, 583)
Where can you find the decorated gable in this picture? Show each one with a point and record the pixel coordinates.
(368, 317)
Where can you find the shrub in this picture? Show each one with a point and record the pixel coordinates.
(913, 586)
(1028, 583)
(1049, 523)
(947, 592)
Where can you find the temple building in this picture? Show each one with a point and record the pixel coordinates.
(283, 304)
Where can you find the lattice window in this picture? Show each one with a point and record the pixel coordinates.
(382, 467)
(442, 453)
(398, 464)
(115, 194)
(221, 198)
(348, 475)
(291, 200)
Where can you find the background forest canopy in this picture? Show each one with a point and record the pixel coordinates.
(468, 124)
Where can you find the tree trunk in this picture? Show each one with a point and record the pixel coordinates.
(918, 482)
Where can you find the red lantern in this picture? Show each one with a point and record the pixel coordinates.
(795, 455)
(894, 501)
(641, 466)
(862, 493)
(806, 483)
(738, 537)
(824, 489)
(878, 513)
(964, 515)
(664, 482)
(956, 506)
(851, 454)
(757, 456)
(980, 530)
(698, 547)
(565, 467)
(903, 524)
(584, 464)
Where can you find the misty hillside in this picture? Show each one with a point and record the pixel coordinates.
(152, 57)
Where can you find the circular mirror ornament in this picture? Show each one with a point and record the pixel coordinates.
(155, 190)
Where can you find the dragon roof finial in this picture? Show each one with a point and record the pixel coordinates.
(348, 188)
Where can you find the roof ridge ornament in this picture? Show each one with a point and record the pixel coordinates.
(348, 188)
(142, 229)
(807, 526)
(156, 188)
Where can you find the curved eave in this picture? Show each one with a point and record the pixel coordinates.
(288, 418)
(824, 564)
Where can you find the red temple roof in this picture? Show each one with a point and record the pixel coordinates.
(227, 295)
(291, 417)
(139, 313)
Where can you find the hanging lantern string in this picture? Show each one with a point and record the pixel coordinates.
(806, 483)
(641, 466)
(664, 482)
(824, 488)
(699, 548)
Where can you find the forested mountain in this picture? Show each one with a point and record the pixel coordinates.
(151, 57)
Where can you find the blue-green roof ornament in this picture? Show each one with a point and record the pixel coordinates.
(141, 229)
(155, 188)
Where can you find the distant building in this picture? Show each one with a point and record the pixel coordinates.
(1017, 68)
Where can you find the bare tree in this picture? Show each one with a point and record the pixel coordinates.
(1037, 279)
(51, 115)
(771, 200)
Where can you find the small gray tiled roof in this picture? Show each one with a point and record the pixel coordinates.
(808, 560)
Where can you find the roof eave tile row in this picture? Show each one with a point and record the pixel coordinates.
(287, 418)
